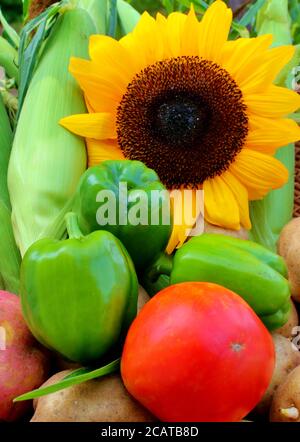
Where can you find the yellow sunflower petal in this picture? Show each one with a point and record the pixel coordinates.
(145, 44)
(106, 51)
(90, 107)
(221, 208)
(174, 29)
(85, 70)
(185, 210)
(241, 195)
(98, 126)
(103, 88)
(103, 150)
(190, 34)
(275, 102)
(148, 39)
(103, 100)
(258, 172)
(238, 54)
(214, 30)
(263, 70)
(174, 240)
(161, 23)
(267, 135)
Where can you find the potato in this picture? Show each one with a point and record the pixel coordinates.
(210, 228)
(293, 263)
(289, 249)
(143, 298)
(286, 401)
(285, 240)
(286, 359)
(23, 363)
(99, 400)
(287, 329)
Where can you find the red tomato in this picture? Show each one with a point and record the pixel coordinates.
(197, 352)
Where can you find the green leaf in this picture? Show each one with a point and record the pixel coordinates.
(76, 377)
(26, 5)
(28, 61)
(168, 5)
(13, 36)
(251, 13)
(239, 31)
(112, 18)
(29, 50)
(296, 117)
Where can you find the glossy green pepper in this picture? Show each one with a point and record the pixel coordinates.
(144, 232)
(248, 269)
(79, 295)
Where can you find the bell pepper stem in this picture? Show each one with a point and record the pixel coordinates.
(162, 266)
(157, 276)
(73, 229)
(57, 229)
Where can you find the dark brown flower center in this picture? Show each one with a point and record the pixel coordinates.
(185, 118)
(178, 117)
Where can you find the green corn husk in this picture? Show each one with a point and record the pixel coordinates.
(127, 17)
(274, 18)
(47, 160)
(97, 9)
(9, 253)
(9, 59)
(10, 259)
(271, 214)
(2, 286)
(6, 138)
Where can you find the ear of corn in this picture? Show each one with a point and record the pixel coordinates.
(271, 214)
(5, 148)
(97, 9)
(274, 18)
(9, 59)
(47, 160)
(9, 253)
(127, 17)
(10, 259)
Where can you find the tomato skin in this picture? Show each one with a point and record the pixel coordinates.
(197, 352)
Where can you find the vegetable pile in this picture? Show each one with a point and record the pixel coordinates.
(149, 262)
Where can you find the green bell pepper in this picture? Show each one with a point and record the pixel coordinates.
(248, 269)
(126, 185)
(79, 296)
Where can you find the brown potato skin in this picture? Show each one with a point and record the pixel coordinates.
(289, 248)
(99, 400)
(287, 329)
(285, 239)
(286, 396)
(286, 359)
(293, 263)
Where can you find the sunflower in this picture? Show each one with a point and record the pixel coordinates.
(200, 110)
